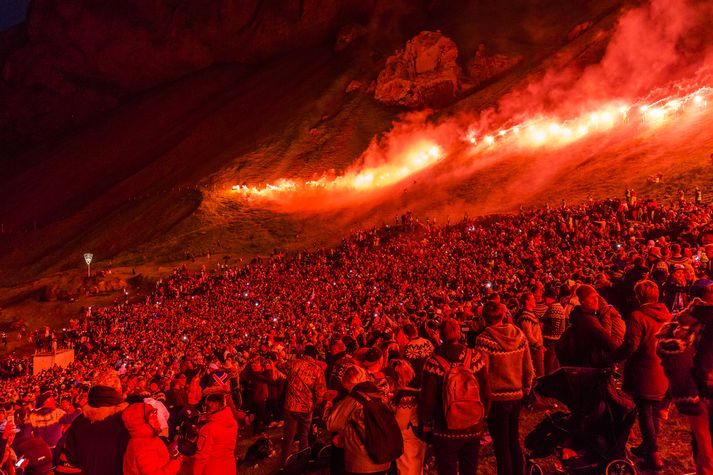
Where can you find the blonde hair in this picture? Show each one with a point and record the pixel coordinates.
(646, 291)
(404, 372)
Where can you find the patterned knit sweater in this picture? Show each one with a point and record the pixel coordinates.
(507, 356)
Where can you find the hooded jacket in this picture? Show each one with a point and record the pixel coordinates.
(346, 417)
(146, 454)
(507, 357)
(643, 374)
(96, 440)
(216, 445)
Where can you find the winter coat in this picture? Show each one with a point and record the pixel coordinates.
(507, 357)
(346, 417)
(96, 440)
(644, 376)
(46, 424)
(216, 445)
(146, 454)
(305, 385)
(676, 348)
(430, 405)
(593, 344)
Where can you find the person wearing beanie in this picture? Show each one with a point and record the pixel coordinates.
(507, 356)
(456, 450)
(587, 342)
(97, 439)
(146, 454)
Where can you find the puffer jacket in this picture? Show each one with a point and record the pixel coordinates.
(342, 418)
(146, 454)
(216, 445)
(643, 374)
(506, 354)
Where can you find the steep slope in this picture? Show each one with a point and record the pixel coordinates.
(150, 181)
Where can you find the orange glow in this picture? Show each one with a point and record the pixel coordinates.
(551, 132)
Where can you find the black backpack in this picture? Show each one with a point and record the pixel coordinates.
(382, 438)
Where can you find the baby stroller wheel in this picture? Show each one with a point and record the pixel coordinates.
(621, 467)
(533, 468)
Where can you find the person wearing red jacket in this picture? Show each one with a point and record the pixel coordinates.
(644, 376)
(146, 453)
(216, 440)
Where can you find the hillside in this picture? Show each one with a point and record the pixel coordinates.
(148, 182)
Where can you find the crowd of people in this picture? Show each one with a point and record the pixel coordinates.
(434, 334)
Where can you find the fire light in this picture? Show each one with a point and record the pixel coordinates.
(539, 132)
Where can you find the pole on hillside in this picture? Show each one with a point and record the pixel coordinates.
(88, 259)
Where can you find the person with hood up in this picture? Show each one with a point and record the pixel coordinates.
(146, 453)
(644, 376)
(507, 358)
(216, 439)
(96, 440)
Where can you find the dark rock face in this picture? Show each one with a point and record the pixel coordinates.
(425, 73)
(483, 67)
(76, 57)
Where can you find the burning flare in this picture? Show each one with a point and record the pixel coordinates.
(534, 133)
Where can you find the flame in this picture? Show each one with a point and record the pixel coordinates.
(538, 131)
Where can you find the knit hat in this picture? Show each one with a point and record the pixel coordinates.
(104, 396)
(450, 330)
(584, 291)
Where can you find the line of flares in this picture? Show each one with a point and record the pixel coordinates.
(538, 132)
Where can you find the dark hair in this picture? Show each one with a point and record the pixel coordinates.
(493, 312)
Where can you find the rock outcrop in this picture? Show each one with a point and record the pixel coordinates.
(483, 67)
(424, 74)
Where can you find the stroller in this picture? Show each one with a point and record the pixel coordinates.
(591, 438)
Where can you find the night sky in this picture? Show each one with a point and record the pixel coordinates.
(12, 12)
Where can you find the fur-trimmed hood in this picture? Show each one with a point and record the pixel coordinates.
(96, 414)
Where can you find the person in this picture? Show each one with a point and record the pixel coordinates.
(405, 406)
(586, 343)
(530, 325)
(216, 439)
(416, 351)
(506, 355)
(96, 440)
(33, 454)
(46, 421)
(347, 419)
(676, 347)
(146, 454)
(644, 377)
(553, 325)
(306, 387)
(456, 450)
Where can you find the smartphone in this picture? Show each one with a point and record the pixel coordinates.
(20, 462)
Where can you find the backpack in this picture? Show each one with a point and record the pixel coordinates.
(461, 395)
(382, 435)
